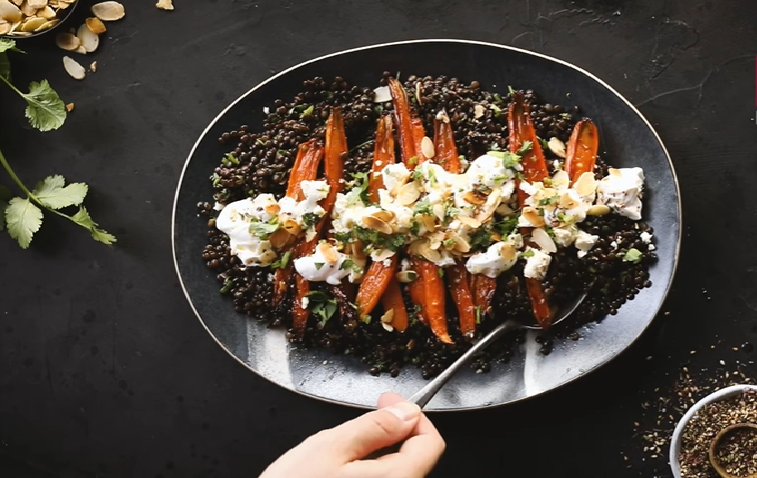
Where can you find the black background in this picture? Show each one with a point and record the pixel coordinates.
(104, 371)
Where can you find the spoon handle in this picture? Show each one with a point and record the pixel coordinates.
(424, 395)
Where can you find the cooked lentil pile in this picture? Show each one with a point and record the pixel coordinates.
(259, 160)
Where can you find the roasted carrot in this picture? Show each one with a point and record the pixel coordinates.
(383, 154)
(392, 300)
(300, 314)
(343, 294)
(305, 168)
(418, 293)
(445, 148)
(402, 121)
(336, 150)
(582, 149)
(523, 137)
(418, 134)
(433, 305)
(374, 284)
(461, 296)
(483, 289)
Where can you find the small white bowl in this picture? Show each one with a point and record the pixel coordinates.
(675, 441)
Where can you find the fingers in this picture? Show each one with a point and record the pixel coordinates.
(374, 430)
(388, 399)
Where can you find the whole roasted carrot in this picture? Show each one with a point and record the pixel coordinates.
(582, 149)
(418, 292)
(445, 148)
(402, 121)
(418, 134)
(434, 300)
(392, 300)
(300, 311)
(483, 289)
(461, 295)
(374, 284)
(523, 137)
(305, 168)
(383, 154)
(336, 149)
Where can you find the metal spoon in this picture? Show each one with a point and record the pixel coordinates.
(424, 395)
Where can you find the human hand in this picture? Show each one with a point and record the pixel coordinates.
(340, 452)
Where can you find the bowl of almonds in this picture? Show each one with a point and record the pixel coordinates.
(31, 18)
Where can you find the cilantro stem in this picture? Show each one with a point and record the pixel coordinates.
(5, 80)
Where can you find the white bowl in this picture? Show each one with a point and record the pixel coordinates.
(675, 441)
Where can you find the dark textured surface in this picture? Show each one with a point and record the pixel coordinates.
(104, 371)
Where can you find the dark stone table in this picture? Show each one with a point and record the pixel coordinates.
(104, 370)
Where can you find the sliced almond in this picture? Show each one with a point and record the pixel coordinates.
(428, 222)
(70, 107)
(358, 251)
(292, 227)
(427, 147)
(542, 239)
(93, 67)
(27, 9)
(557, 147)
(47, 13)
(17, 2)
(469, 221)
(89, 39)
(442, 116)
(405, 277)
(428, 253)
(37, 4)
(492, 203)
(387, 317)
(108, 11)
(615, 172)
(418, 93)
(399, 182)
(598, 210)
(408, 193)
(438, 211)
(480, 110)
(460, 244)
(475, 197)
(279, 238)
(96, 25)
(509, 252)
(567, 202)
(62, 5)
(5, 28)
(73, 68)
(329, 252)
(561, 179)
(32, 23)
(273, 209)
(377, 224)
(532, 216)
(80, 50)
(585, 185)
(386, 216)
(387, 327)
(47, 25)
(415, 247)
(164, 4)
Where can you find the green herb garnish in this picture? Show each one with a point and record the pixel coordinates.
(632, 255)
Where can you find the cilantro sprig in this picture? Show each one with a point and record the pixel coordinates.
(23, 215)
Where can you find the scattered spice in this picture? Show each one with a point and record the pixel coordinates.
(70, 107)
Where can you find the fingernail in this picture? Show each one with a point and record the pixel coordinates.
(405, 411)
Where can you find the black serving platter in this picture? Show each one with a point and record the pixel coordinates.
(626, 138)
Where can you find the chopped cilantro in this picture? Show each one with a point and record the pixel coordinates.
(319, 265)
(322, 305)
(528, 253)
(375, 240)
(511, 90)
(361, 181)
(422, 207)
(448, 243)
(497, 110)
(343, 237)
(415, 228)
(544, 143)
(283, 261)
(413, 161)
(548, 201)
(231, 158)
(227, 284)
(506, 226)
(550, 231)
(565, 218)
(450, 211)
(417, 174)
(310, 219)
(481, 238)
(263, 229)
(632, 255)
(478, 314)
(525, 148)
(441, 272)
(366, 319)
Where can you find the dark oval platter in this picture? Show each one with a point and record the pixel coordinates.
(626, 137)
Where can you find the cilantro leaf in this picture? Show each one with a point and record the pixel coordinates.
(46, 111)
(322, 305)
(480, 239)
(525, 148)
(283, 260)
(478, 314)
(83, 219)
(53, 193)
(24, 218)
(422, 207)
(310, 218)
(319, 265)
(509, 160)
(263, 229)
(506, 226)
(360, 182)
(511, 90)
(632, 255)
(548, 201)
(527, 254)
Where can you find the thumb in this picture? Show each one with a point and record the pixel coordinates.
(357, 438)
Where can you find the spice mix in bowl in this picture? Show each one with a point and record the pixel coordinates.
(718, 436)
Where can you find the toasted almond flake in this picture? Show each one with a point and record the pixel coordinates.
(561, 179)
(557, 147)
(37, 4)
(428, 222)
(438, 211)
(27, 9)
(96, 25)
(108, 11)
(70, 107)
(46, 12)
(358, 251)
(32, 23)
(492, 203)
(93, 67)
(533, 217)
(598, 210)
(442, 116)
(279, 238)
(273, 209)
(377, 224)
(387, 327)
(567, 202)
(17, 2)
(474, 197)
(63, 5)
(418, 93)
(329, 252)
(73, 68)
(542, 239)
(5, 28)
(415, 247)
(435, 244)
(460, 245)
(616, 173)
(406, 277)
(47, 25)
(388, 316)
(509, 252)
(428, 253)
(164, 4)
(427, 147)
(408, 193)
(585, 185)
(89, 39)
(386, 216)
(469, 221)
(382, 94)
(480, 111)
